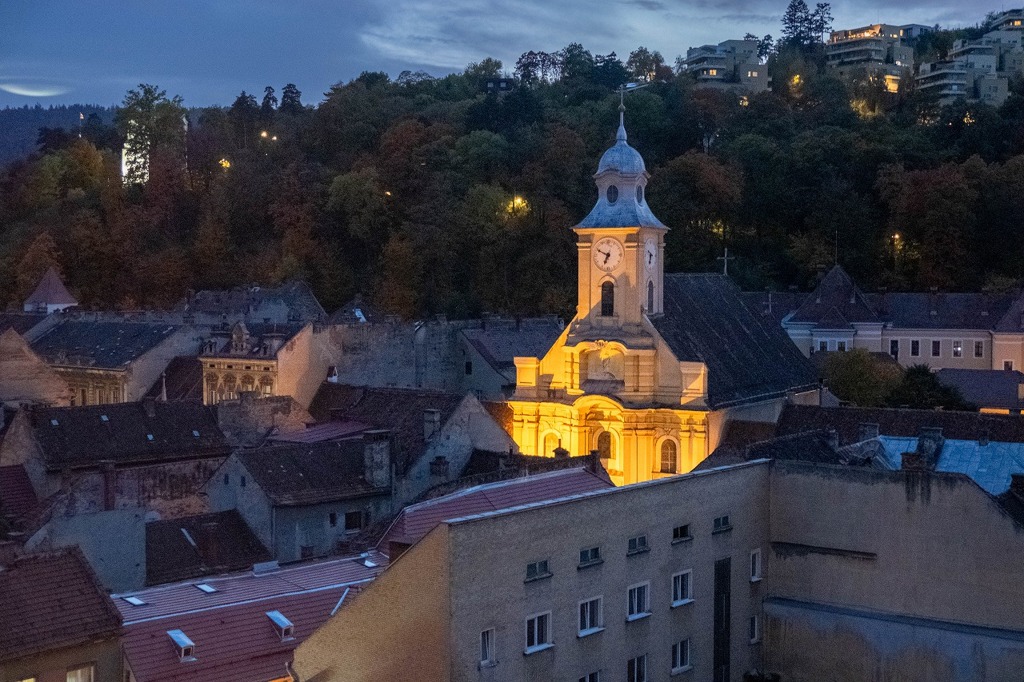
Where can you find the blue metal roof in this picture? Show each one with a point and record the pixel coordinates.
(989, 465)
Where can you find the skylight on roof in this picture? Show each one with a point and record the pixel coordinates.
(186, 647)
(104, 418)
(208, 589)
(54, 422)
(149, 436)
(134, 601)
(285, 628)
(195, 434)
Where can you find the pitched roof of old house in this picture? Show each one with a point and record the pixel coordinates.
(812, 446)
(357, 311)
(235, 640)
(100, 344)
(835, 297)
(51, 291)
(416, 520)
(51, 601)
(500, 341)
(178, 549)
(295, 297)
(310, 474)
(182, 380)
(748, 356)
(17, 496)
(987, 387)
(126, 433)
(400, 410)
(900, 422)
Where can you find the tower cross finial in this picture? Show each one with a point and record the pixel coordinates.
(725, 261)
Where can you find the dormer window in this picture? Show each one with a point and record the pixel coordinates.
(285, 628)
(186, 647)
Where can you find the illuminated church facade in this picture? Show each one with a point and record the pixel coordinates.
(653, 367)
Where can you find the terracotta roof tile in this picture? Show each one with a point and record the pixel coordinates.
(51, 601)
(17, 497)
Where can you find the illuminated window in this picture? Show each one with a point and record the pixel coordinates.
(607, 299)
(751, 74)
(83, 673)
(669, 461)
(712, 72)
(538, 632)
(958, 349)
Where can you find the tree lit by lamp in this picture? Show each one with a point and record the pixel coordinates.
(517, 206)
(264, 134)
(225, 164)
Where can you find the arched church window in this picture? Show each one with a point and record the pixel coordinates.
(639, 194)
(613, 194)
(607, 299)
(669, 457)
(604, 446)
(550, 443)
(650, 297)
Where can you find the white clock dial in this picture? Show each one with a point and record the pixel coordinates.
(650, 254)
(607, 254)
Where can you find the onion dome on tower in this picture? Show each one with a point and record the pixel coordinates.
(621, 180)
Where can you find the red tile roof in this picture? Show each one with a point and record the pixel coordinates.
(17, 496)
(415, 521)
(234, 639)
(52, 601)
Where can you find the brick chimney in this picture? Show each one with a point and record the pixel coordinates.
(867, 431)
(377, 457)
(431, 423)
(109, 484)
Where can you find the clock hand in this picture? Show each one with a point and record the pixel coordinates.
(607, 255)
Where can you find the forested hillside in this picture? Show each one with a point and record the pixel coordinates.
(430, 196)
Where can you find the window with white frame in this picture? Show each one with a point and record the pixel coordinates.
(754, 629)
(681, 533)
(638, 601)
(590, 556)
(83, 673)
(591, 677)
(538, 632)
(681, 656)
(669, 456)
(958, 349)
(682, 588)
(537, 570)
(637, 544)
(755, 565)
(636, 669)
(487, 657)
(721, 524)
(591, 619)
(915, 348)
(1008, 365)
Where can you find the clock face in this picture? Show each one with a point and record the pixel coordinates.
(650, 254)
(607, 254)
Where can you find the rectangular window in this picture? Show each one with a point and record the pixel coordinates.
(83, 673)
(637, 545)
(591, 677)
(682, 588)
(823, 346)
(755, 565)
(354, 520)
(638, 601)
(1008, 365)
(332, 519)
(754, 629)
(894, 348)
(958, 349)
(722, 524)
(636, 669)
(936, 349)
(841, 346)
(487, 648)
(915, 348)
(979, 349)
(681, 656)
(591, 620)
(469, 367)
(590, 556)
(681, 533)
(537, 570)
(538, 632)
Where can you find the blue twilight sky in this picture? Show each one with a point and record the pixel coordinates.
(207, 51)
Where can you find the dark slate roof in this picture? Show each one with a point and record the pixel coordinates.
(357, 311)
(17, 496)
(215, 543)
(296, 298)
(774, 304)
(79, 437)
(812, 446)
(398, 409)
(499, 342)
(311, 473)
(900, 422)
(939, 310)
(51, 291)
(986, 387)
(183, 379)
(1012, 320)
(20, 322)
(1013, 504)
(836, 297)
(257, 334)
(106, 345)
(51, 601)
(748, 356)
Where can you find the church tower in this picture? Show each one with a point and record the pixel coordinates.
(620, 244)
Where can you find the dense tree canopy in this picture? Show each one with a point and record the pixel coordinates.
(432, 195)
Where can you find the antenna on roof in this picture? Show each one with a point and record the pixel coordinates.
(837, 248)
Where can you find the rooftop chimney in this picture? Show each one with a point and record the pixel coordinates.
(929, 445)
(149, 405)
(431, 423)
(109, 485)
(377, 457)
